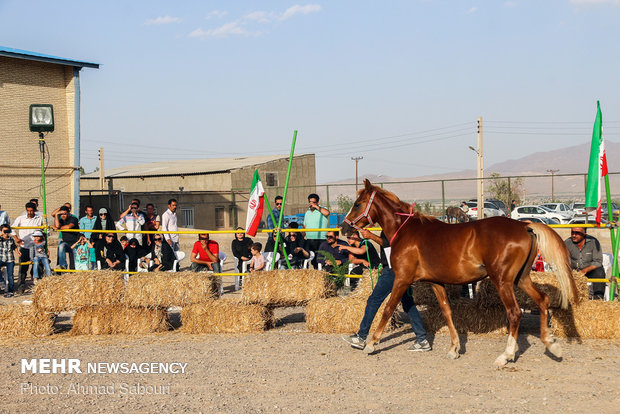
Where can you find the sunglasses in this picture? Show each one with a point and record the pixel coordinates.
(109, 237)
(5, 231)
(103, 214)
(157, 239)
(329, 237)
(200, 238)
(576, 232)
(278, 204)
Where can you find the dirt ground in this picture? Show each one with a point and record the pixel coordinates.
(288, 369)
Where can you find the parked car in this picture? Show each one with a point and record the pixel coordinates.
(578, 208)
(498, 204)
(561, 209)
(544, 220)
(490, 210)
(563, 218)
(582, 220)
(535, 211)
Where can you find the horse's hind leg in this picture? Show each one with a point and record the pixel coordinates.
(542, 301)
(442, 298)
(507, 295)
(398, 290)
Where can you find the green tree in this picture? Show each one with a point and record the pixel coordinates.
(504, 189)
(344, 203)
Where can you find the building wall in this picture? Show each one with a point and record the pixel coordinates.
(205, 182)
(24, 82)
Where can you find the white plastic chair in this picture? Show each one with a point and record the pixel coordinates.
(180, 256)
(269, 258)
(244, 269)
(222, 257)
(308, 261)
(608, 259)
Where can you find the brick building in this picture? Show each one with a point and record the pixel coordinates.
(212, 193)
(32, 78)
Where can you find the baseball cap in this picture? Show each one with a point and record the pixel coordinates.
(37, 233)
(102, 210)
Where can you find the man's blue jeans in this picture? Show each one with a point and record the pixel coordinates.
(382, 289)
(63, 249)
(9, 275)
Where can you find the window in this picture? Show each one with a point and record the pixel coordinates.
(219, 217)
(271, 179)
(187, 216)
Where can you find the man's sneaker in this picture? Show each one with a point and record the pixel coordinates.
(8, 295)
(355, 341)
(420, 346)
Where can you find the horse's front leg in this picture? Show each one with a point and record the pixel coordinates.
(398, 290)
(442, 298)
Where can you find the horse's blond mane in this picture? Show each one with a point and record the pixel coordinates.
(404, 206)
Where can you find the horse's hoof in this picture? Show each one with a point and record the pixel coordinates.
(452, 354)
(501, 361)
(555, 349)
(369, 349)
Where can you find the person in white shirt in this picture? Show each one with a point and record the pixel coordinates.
(169, 223)
(24, 240)
(133, 221)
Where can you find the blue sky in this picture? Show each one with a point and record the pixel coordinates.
(400, 83)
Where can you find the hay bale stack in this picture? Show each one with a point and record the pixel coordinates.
(468, 318)
(72, 291)
(423, 293)
(21, 321)
(286, 287)
(487, 296)
(119, 319)
(226, 316)
(590, 319)
(164, 289)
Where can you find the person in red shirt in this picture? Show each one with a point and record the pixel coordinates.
(205, 255)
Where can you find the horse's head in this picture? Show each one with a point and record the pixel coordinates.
(360, 214)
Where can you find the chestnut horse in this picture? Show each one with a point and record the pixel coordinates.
(428, 250)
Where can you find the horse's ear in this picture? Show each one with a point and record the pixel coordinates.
(367, 184)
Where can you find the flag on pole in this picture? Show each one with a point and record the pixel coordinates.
(255, 206)
(597, 168)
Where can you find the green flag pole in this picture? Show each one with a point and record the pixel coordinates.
(288, 175)
(275, 248)
(614, 242)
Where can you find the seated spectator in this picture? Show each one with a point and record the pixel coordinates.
(161, 257)
(151, 223)
(241, 248)
(205, 255)
(124, 241)
(297, 247)
(359, 252)
(134, 252)
(38, 253)
(7, 257)
(586, 257)
(64, 220)
(81, 252)
(271, 244)
(132, 220)
(332, 245)
(110, 253)
(103, 222)
(257, 262)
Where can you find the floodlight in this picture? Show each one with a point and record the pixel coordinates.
(41, 118)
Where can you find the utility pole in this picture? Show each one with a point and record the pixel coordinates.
(480, 186)
(356, 159)
(101, 174)
(552, 190)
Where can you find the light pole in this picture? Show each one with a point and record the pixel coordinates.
(480, 186)
(41, 120)
(552, 186)
(356, 159)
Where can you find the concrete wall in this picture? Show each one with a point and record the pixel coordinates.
(24, 82)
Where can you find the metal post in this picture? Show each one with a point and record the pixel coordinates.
(552, 184)
(443, 196)
(356, 159)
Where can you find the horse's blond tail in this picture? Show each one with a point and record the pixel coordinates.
(556, 254)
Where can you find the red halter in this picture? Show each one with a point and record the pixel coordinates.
(403, 223)
(363, 215)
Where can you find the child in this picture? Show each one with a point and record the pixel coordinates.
(93, 256)
(81, 252)
(39, 256)
(7, 257)
(124, 241)
(257, 262)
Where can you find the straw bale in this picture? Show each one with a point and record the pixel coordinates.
(486, 294)
(468, 318)
(119, 319)
(20, 321)
(590, 319)
(226, 316)
(423, 293)
(71, 291)
(165, 289)
(286, 287)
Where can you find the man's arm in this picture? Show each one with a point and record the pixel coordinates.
(371, 236)
(324, 211)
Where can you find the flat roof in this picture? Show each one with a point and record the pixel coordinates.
(40, 57)
(187, 167)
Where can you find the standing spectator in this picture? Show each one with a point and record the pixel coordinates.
(134, 201)
(332, 246)
(587, 258)
(38, 252)
(132, 221)
(240, 247)
(152, 223)
(23, 238)
(205, 255)
(134, 253)
(513, 205)
(276, 213)
(464, 207)
(35, 201)
(7, 257)
(359, 253)
(88, 221)
(161, 257)
(257, 262)
(169, 223)
(64, 220)
(81, 252)
(4, 217)
(315, 218)
(110, 253)
(103, 222)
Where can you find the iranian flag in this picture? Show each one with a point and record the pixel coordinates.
(597, 168)
(255, 206)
